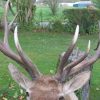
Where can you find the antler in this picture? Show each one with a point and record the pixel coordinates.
(66, 55)
(77, 65)
(86, 63)
(21, 57)
(71, 65)
(67, 68)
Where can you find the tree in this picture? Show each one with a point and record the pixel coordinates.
(96, 3)
(25, 9)
(53, 5)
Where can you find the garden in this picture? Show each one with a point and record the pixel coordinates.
(44, 38)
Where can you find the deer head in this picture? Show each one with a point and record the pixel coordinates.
(45, 87)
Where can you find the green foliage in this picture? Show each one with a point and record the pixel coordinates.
(42, 12)
(86, 18)
(53, 5)
(45, 13)
(57, 26)
(96, 3)
(26, 10)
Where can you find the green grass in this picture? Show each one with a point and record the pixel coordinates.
(44, 14)
(44, 49)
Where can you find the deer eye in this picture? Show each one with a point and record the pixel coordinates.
(27, 94)
(61, 98)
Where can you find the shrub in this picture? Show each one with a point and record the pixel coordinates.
(96, 3)
(86, 18)
(57, 26)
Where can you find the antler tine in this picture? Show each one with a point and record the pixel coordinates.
(67, 53)
(6, 32)
(68, 68)
(6, 26)
(86, 63)
(25, 59)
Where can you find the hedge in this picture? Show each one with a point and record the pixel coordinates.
(85, 17)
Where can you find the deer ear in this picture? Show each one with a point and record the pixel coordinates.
(20, 78)
(77, 82)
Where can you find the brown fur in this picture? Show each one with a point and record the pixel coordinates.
(45, 88)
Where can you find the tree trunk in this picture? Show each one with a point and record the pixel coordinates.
(26, 9)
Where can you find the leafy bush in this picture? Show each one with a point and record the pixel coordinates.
(57, 26)
(96, 3)
(86, 18)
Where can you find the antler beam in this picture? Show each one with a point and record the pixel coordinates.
(21, 57)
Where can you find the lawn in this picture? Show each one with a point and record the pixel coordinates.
(44, 49)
